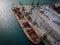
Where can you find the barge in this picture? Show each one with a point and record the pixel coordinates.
(27, 26)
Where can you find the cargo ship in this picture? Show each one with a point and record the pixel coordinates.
(27, 26)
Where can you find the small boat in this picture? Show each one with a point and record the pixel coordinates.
(27, 26)
(56, 7)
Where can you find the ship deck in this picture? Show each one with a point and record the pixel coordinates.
(46, 23)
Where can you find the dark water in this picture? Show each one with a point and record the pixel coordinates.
(11, 32)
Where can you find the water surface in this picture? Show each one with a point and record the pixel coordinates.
(11, 32)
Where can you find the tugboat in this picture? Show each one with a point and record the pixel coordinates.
(26, 25)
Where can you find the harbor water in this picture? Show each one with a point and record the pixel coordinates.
(11, 32)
